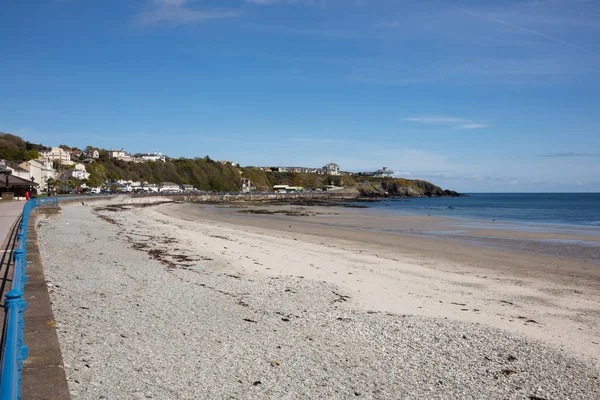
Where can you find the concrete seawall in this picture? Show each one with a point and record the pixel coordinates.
(43, 372)
(227, 197)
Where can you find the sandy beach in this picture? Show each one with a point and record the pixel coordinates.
(192, 301)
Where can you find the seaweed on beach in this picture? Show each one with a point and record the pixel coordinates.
(127, 207)
(290, 213)
(323, 203)
(108, 219)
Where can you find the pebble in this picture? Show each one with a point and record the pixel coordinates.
(133, 328)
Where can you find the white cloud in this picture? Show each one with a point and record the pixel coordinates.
(435, 120)
(472, 126)
(171, 2)
(178, 13)
(456, 123)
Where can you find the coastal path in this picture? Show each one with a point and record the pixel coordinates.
(10, 212)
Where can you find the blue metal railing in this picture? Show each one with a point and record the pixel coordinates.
(15, 351)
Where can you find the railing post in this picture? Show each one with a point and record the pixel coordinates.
(14, 352)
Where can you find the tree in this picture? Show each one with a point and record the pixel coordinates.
(31, 155)
(93, 181)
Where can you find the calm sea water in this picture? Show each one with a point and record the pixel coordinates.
(580, 209)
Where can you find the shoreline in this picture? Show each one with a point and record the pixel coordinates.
(504, 284)
(577, 242)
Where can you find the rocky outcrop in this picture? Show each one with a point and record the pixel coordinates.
(402, 188)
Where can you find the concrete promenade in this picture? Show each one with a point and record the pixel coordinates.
(9, 212)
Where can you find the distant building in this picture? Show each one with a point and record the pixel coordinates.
(385, 172)
(151, 187)
(118, 154)
(152, 157)
(74, 173)
(79, 167)
(169, 187)
(38, 171)
(287, 189)
(303, 170)
(226, 162)
(331, 169)
(246, 185)
(91, 154)
(57, 154)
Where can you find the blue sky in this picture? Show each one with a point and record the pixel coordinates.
(471, 95)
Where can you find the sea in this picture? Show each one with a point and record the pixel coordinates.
(559, 214)
(558, 209)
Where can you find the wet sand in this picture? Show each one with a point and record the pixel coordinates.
(550, 298)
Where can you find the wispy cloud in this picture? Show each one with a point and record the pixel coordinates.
(472, 126)
(178, 12)
(456, 123)
(435, 120)
(321, 140)
(568, 154)
(529, 31)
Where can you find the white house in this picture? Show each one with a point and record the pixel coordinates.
(37, 171)
(151, 187)
(169, 187)
(57, 154)
(19, 171)
(153, 157)
(383, 173)
(332, 169)
(40, 170)
(112, 153)
(79, 167)
(91, 154)
(287, 189)
(74, 173)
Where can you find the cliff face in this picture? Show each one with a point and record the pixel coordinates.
(402, 188)
(364, 186)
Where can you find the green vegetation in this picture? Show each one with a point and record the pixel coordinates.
(13, 148)
(206, 174)
(202, 173)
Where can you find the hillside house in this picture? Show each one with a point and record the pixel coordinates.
(93, 154)
(118, 154)
(152, 157)
(57, 154)
(331, 169)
